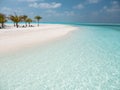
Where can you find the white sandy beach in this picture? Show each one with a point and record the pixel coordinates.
(12, 38)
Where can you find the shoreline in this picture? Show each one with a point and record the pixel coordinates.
(15, 39)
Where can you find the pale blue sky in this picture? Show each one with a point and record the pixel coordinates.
(84, 11)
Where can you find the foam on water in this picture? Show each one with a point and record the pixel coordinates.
(87, 59)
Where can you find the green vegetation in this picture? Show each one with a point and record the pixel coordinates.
(16, 19)
(38, 19)
(24, 17)
(29, 20)
(2, 20)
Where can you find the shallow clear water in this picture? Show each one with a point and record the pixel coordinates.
(86, 59)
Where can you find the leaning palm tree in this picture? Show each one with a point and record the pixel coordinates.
(2, 20)
(24, 17)
(29, 20)
(38, 19)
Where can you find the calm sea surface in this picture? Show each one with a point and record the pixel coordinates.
(86, 59)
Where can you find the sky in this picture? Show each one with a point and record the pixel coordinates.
(83, 11)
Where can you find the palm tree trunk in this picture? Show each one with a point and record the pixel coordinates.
(17, 25)
(29, 24)
(2, 25)
(38, 23)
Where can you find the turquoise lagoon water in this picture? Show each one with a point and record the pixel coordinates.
(86, 59)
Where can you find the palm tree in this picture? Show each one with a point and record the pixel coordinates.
(16, 19)
(38, 19)
(2, 20)
(24, 17)
(29, 20)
